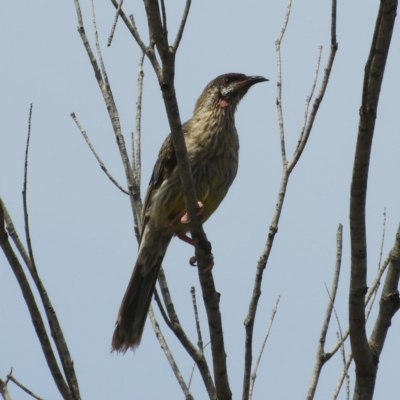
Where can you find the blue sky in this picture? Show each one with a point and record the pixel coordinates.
(82, 225)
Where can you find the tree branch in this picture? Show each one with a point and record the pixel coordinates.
(55, 327)
(168, 354)
(34, 312)
(102, 166)
(320, 358)
(254, 373)
(364, 356)
(273, 229)
(21, 386)
(196, 354)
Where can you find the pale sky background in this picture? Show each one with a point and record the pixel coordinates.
(81, 224)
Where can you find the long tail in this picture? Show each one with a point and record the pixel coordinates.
(136, 302)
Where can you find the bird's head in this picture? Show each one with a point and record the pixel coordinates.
(226, 91)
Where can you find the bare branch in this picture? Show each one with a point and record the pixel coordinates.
(364, 355)
(35, 314)
(343, 375)
(148, 50)
(196, 317)
(164, 24)
(114, 25)
(309, 97)
(376, 286)
(55, 327)
(390, 302)
(345, 368)
(279, 82)
(196, 354)
(169, 355)
(254, 374)
(101, 77)
(321, 358)
(136, 143)
(370, 294)
(273, 229)
(162, 310)
(102, 166)
(182, 26)
(306, 132)
(24, 388)
(3, 388)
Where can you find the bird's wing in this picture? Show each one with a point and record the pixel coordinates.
(163, 168)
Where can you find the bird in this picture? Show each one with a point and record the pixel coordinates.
(212, 144)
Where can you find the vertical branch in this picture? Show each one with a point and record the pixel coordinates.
(254, 373)
(273, 229)
(365, 357)
(321, 357)
(55, 327)
(279, 82)
(197, 320)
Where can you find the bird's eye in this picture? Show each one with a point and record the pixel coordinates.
(227, 80)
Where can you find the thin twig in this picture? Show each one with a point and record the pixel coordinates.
(196, 354)
(309, 97)
(194, 366)
(374, 293)
(383, 237)
(191, 375)
(372, 289)
(130, 24)
(102, 166)
(279, 82)
(114, 25)
(169, 355)
(320, 357)
(346, 375)
(24, 388)
(305, 134)
(196, 317)
(162, 310)
(164, 24)
(343, 375)
(254, 373)
(136, 143)
(182, 26)
(55, 327)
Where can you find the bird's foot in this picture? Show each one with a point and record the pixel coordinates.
(200, 213)
(183, 217)
(208, 268)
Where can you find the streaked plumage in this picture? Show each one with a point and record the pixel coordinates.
(213, 147)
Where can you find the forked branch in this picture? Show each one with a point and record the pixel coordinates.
(287, 169)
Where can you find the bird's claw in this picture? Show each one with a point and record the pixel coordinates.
(208, 268)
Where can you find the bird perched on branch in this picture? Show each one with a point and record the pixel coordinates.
(213, 147)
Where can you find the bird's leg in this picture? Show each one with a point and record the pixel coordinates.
(185, 238)
(183, 216)
(200, 212)
(193, 260)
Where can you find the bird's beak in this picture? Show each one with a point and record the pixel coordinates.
(249, 81)
(252, 80)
